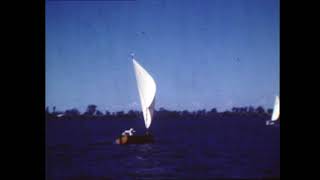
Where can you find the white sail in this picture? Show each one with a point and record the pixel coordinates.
(147, 91)
(276, 109)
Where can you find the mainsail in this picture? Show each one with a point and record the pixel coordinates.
(276, 109)
(147, 91)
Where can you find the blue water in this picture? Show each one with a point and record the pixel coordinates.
(194, 149)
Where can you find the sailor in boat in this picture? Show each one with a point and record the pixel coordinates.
(128, 132)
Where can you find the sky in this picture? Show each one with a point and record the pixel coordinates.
(202, 54)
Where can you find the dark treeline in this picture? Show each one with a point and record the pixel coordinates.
(93, 113)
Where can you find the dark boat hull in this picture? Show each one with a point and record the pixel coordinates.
(125, 139)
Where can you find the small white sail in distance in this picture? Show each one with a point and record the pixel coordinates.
(147, 91)
(276, 109)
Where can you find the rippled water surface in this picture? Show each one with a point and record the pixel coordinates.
(194, 149)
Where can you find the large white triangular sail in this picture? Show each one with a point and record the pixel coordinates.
(147, 91)
(276, 109)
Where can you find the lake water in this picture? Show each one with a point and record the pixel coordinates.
(184, 149)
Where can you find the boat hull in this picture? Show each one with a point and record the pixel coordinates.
(272, 123)
(125, 139)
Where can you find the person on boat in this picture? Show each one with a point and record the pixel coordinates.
(129, 132)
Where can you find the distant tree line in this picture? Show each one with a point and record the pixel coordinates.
(92, 113)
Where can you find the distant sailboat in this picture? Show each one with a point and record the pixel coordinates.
(276, 112)
(147, 91)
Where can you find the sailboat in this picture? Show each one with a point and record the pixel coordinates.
(276, 113)
(147, 91)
